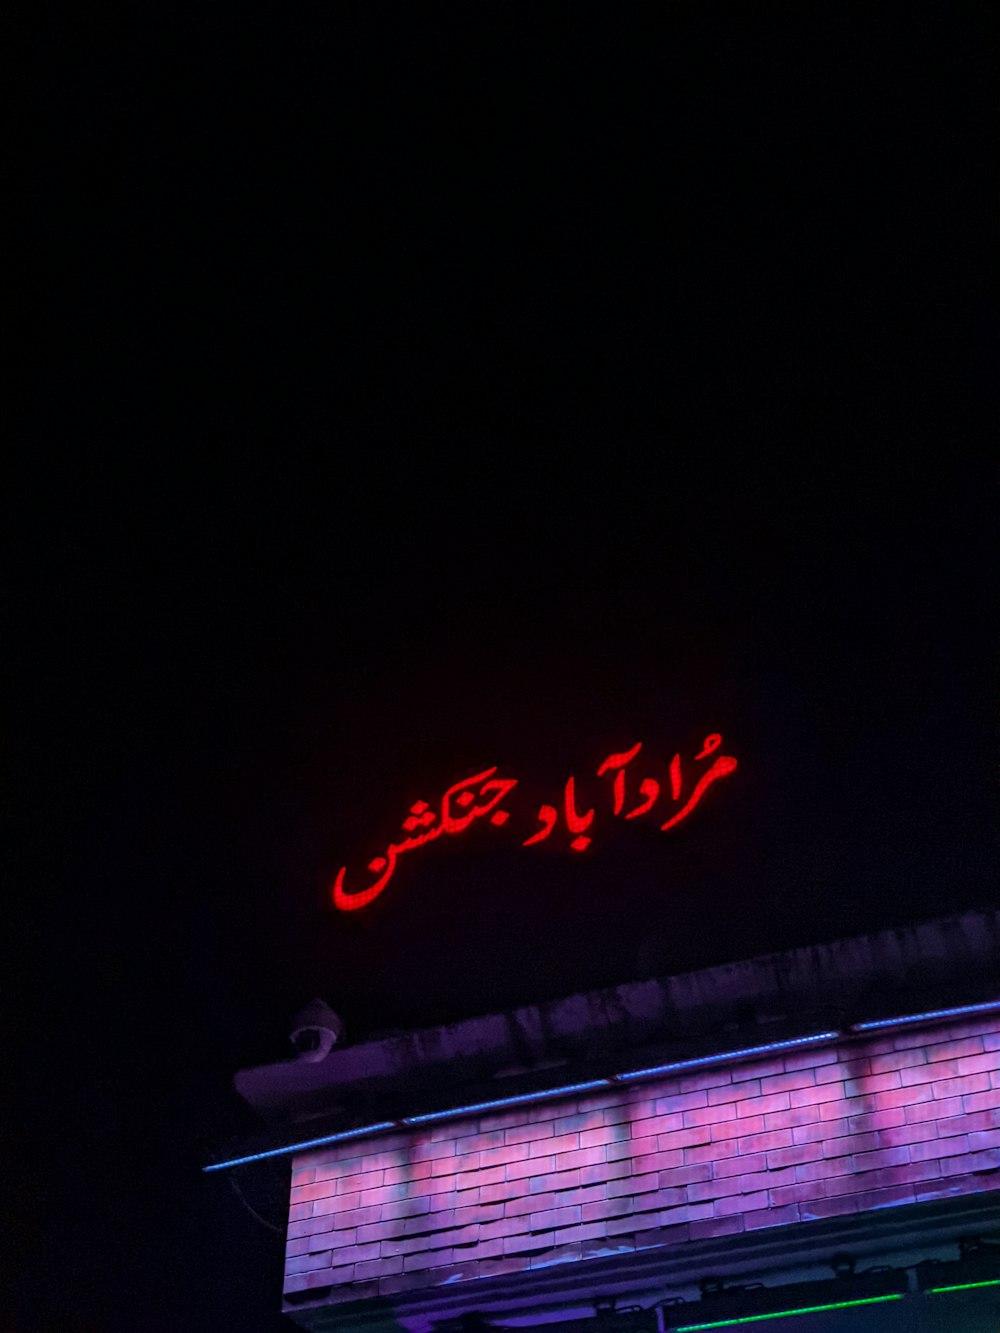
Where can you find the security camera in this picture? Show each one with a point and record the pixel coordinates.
(316, 1031)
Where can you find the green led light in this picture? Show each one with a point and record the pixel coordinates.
(967, 1286)
(784, 1314)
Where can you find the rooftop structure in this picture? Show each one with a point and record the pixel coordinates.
(742, 1124)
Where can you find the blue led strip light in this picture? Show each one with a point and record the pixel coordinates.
(525, 1098)
(724, 1057)
(363, 1132)
(736, 1320)
(963, 1009)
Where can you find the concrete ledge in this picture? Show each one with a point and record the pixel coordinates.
(950, 961)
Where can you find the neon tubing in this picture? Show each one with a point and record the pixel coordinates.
(784, 1314)
(309, 1143)
(505, 1101)
(965, 1286)
(988, 1007)
(704, 1060)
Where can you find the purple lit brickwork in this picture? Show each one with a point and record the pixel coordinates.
(867, 1124)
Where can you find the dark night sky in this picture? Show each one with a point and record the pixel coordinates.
(431, 387)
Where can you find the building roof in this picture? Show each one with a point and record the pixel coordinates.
(932, 965)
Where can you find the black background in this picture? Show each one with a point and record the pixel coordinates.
(431, 387)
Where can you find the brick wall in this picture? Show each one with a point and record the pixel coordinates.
(870, 1124)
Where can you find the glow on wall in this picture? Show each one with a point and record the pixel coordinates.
(481, 796)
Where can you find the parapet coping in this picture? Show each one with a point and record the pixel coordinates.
(946, 961)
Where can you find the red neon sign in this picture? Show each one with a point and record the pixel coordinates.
(475, 798)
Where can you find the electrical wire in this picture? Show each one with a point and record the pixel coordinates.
(251, 1209)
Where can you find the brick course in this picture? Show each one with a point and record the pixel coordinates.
(816, 1134)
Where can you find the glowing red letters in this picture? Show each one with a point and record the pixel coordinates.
(480, 796)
